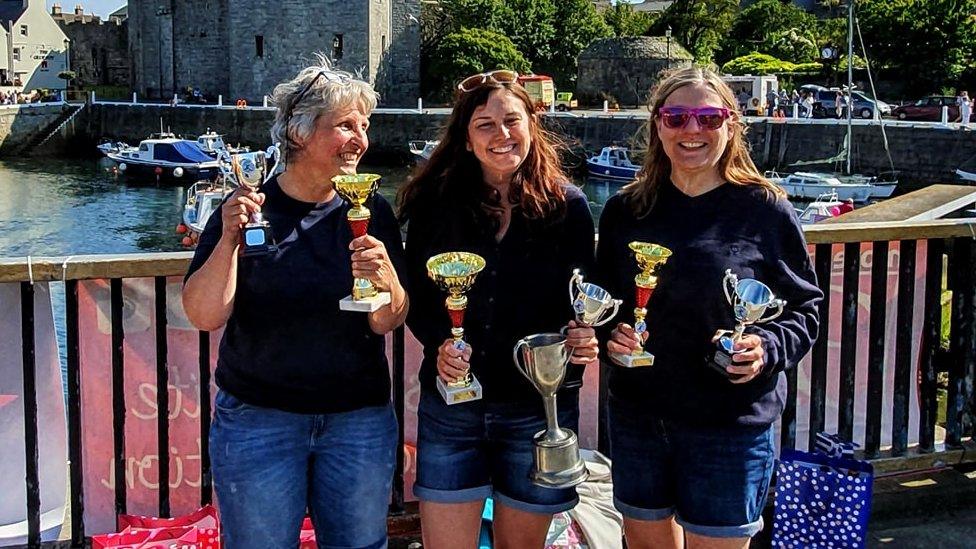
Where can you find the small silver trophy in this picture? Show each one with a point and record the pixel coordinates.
(250, 170)
(557, 457)
(750, 299)
(591, 302)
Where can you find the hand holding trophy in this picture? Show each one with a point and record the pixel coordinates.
(649, 257)
(542, 359)
(250, 171)
(455, 272)
(593, 305)
(749, 299)
(356, 189)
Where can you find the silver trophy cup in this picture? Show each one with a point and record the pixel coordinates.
(593, 305)
(542, 359)
(750, 300)
(250, 170)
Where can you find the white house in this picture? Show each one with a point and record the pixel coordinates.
(33, 49)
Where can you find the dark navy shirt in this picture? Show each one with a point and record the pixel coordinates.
(731, 227)
(523, 289)
(287, 345)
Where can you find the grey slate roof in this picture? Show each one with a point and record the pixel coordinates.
(635, 47)
(10, 10)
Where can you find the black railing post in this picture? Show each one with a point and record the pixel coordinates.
(206, 480)
(72, 342)
(848, 339)
(118, 394)
(399, 407)
(162, 394)
(30, 414)
(876, 347)
(903, 347)
(930, 344)
(960, 282)
(818, 364)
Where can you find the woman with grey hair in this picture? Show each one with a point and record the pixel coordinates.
(303, 417)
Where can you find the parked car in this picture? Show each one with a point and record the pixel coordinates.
(928, 108)
(824, 100)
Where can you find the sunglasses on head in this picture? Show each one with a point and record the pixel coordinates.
(329, 75)
(709, 118)
(500, 76)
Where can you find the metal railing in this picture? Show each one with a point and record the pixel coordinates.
(950, 252)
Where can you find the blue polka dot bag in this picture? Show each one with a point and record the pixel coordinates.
(822, 500)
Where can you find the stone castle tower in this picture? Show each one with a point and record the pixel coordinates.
(243, 48)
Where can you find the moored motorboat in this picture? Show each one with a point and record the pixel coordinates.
(613, 163)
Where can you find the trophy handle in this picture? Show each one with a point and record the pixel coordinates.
(726, 287)
(518, 362)
(574, 282)
(613, 312)
(779, 304)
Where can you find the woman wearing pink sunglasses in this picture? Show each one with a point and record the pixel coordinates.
(692, 445)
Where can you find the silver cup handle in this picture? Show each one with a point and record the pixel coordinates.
(518, 362)
(574, 282)
(779, 304)
(729, 289)
(607, 317)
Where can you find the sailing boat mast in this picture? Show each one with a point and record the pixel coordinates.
(850, 82)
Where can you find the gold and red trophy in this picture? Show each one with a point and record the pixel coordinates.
(356, 189)
(649, 257)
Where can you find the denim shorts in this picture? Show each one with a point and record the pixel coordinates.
(468, 452)
(713, 479)
(270, 465)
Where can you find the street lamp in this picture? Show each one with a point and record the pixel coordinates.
(667, 34)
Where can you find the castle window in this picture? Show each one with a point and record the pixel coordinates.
(383, 44)
(44, 65)
(23, 30)
(259, 45)
(16, 54)
(337, 47)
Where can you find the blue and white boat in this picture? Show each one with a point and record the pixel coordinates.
(166, 159)
(612, 163)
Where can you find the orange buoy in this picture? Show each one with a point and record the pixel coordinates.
(187, 241)
(181, 229)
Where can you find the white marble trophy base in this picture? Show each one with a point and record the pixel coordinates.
(631, 360)
(367, 305)
(457, 395)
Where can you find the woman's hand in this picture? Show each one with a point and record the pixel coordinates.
(747, 361)
(371, 261)
(583, 340)
(624, 340)
(452, 364)
(236, 212)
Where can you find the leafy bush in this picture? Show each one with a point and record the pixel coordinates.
(757, 63)
(470, 51)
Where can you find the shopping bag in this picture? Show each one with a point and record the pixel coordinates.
(167, 537)
(204, 517)
(306, 539)
(821, 501)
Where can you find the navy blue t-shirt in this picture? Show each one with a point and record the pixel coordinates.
(287, 345)
(743, 228)
(523, 290)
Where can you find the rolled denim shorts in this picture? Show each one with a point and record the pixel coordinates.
(712, 479)
(468, 452)
(270, 465)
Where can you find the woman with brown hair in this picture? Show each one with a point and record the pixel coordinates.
(691, 440)
(493, 187)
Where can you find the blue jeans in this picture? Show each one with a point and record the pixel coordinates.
(714, 479)
(467, 452)
(270, 465)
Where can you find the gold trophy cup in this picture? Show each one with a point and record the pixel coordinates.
(356, 189)
(455, 272)
(649, 258)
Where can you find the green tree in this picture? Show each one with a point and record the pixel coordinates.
(471, 51)
(577, 25)
(531, 25)
(624, 20)
(780, 29)
(760, 63)
(698, 25)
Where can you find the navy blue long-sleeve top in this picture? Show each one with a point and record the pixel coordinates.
(522, 290)
(743, 228)
(287, 345)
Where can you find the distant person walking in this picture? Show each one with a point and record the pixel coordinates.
(965, 108)
(807, 104)
(839, 105)
(772, 99)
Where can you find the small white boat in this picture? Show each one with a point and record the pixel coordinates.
(212, 143)
(422, 150)
(166, 159)
(108, 146)
(203, 198)
(826, 206)
(812, 185)
(612, 163)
